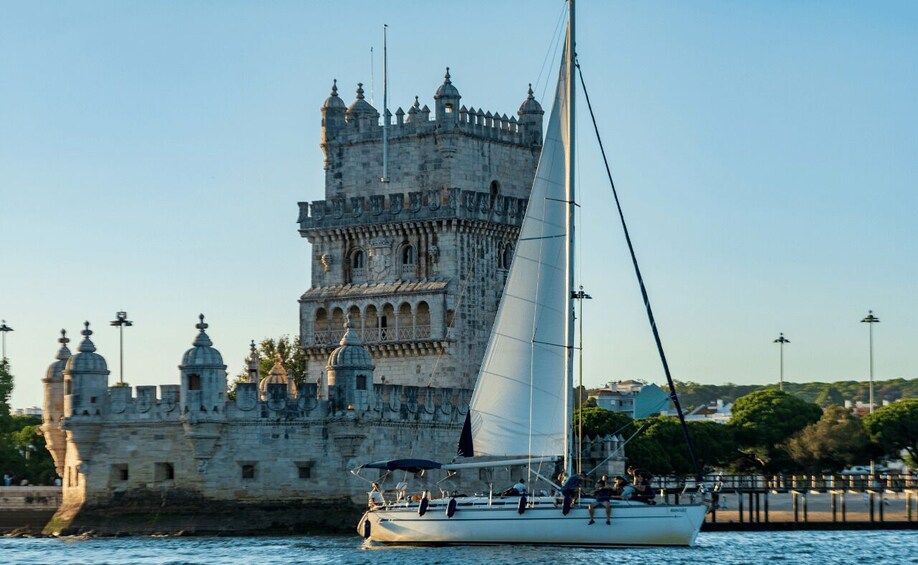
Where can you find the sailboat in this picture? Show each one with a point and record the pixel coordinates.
(522, 405)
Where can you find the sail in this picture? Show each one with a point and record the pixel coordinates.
(518, 406)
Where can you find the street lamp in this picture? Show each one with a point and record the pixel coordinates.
(870, 320)
(4, 328)
(782, 340)
(121, 321)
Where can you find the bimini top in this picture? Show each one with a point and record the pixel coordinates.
(410, 465)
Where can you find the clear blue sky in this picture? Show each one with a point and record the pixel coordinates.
(152, 155)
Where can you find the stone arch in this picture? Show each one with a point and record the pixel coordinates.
(405, 322)
(422, 328)
(357, 263)
(387, 323)
(371, 323)
(353, 311)
(493, 193)
(320, 326)
(336, 325)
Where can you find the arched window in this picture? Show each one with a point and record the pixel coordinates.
(357, 260)
(506, 257)
(408, 255)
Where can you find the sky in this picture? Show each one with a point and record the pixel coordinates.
(152, 155)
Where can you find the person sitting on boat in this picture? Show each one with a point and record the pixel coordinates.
(376, 497)
(603, 494)
(519, 489)
(401, 491)
(569, 485)
(619, 485)
(643, 491)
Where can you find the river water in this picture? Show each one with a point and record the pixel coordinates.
(720, 548)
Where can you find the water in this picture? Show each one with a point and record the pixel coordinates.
(728, 548)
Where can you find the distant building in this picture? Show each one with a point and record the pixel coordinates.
(861, 409)
(635, 398)
(30, 411)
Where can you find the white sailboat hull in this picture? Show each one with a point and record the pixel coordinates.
(476, 522)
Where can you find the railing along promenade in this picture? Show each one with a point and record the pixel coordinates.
(804, 501)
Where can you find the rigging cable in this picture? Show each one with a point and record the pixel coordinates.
(637, 271)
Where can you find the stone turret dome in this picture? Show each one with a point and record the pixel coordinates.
(447, 90)
(350, 353)
(278, 375)
(87, 360)
(530, 105)
(334, 101)
(56, 370)
(203, 353)
(360, 105)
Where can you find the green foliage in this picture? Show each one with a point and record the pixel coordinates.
(836, 441)
(292, 357)
(765, 419)
(895, 428)
(694, 394)
(830, 396)
(23, 452)
(661, 446)
(601, 422)
(6, 389)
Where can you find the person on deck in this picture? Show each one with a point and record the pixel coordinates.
(643, 491)
(376, 497)
(519, 489)
(603, 494)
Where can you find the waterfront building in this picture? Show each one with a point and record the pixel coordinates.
(407, 272)
(632, 397)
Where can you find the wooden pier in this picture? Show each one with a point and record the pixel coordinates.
(801, 502)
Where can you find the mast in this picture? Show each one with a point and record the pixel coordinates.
(569, 362)
(385, 111)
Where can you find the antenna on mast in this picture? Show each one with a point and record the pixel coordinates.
(385, 111)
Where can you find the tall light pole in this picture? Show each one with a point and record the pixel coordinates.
(870, 320)
(781, 341)
(5, 329)
(121, 321)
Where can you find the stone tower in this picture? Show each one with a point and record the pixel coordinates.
(53, 410)
(417, 261)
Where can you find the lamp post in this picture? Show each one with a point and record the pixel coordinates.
(870, 320)
(121, 321)
(580, 295)
(781, 341)
(5, 329)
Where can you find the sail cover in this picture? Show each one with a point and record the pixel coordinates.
(518, 404)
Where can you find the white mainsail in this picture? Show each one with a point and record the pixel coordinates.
(518, 407)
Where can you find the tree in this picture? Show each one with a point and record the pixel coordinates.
(836, 441)
(765, 419)
(830, 396)
(6, 389)
(292, 357)
(601, 422)
(661, 446)
(895, 428)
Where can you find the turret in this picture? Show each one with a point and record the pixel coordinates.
(447, 103)
(333, 119)
(203, 376)
(85, 380)
(350, 372)
(277, 376)
(53, 409)
(253, 361)
(530, 114)
(360, 114)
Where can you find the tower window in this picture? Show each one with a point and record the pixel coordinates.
(194, 382)
(120, 472)
(361, 382)
(163, 472)
(448, 108)
(304, 469)
(357, 260)
(248, 470)
(408, 255)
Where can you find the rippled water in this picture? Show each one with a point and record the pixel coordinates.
(869, 547)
